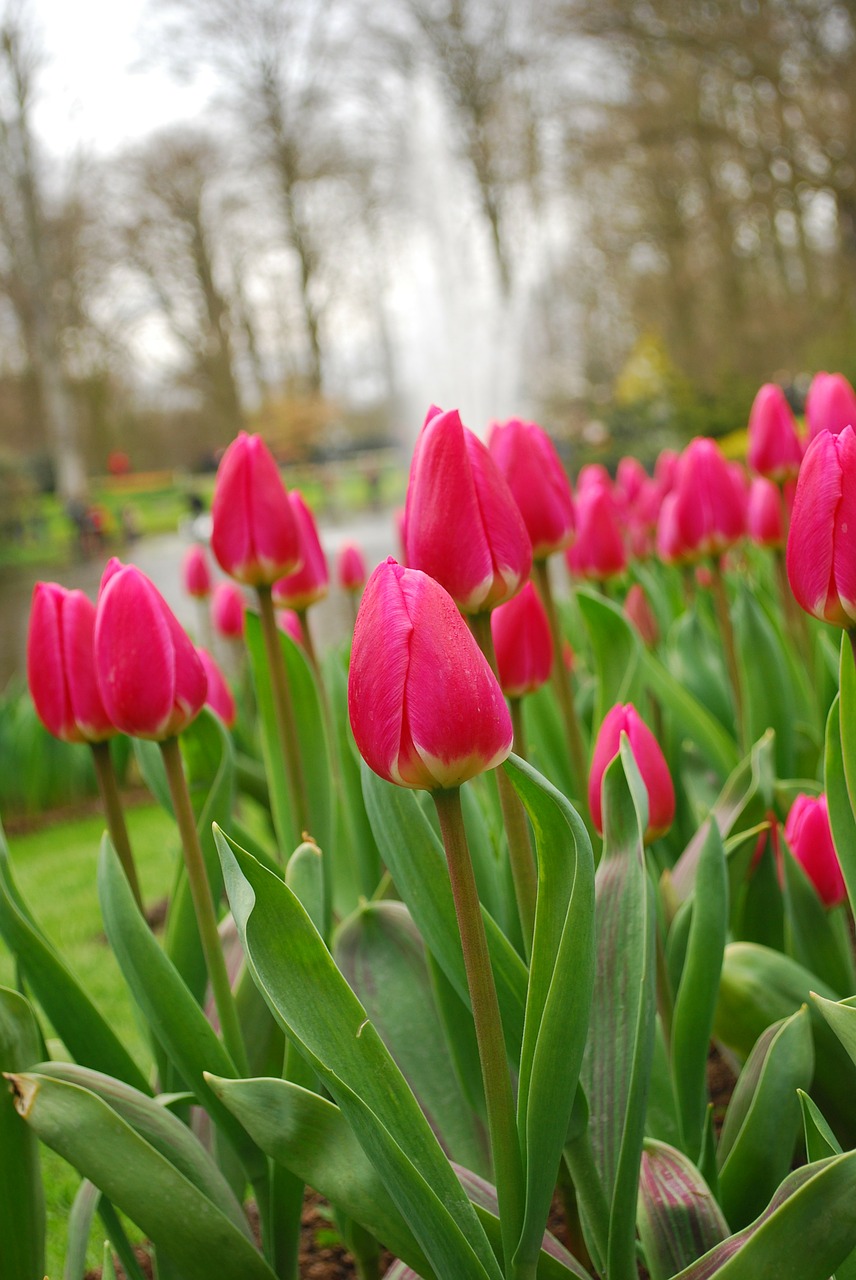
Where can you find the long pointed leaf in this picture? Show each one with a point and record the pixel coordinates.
(22, 1201)
(678, 1217)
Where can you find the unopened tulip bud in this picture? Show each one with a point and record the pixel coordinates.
(821, 554)
(219, 696)
(195, 574)
(649, 761)
(425, 707)
(710, 506)
(809, 838)
(61, 665)
(527, 458)
(254, 534)
(764, 519)
(227, 611)
(523, 645)
(599, 551)
(149, 675)
(830, 404)
(351, 570)
(462, 524)
(774, 446)
(310, 582)
(289, 623)
(640, 613)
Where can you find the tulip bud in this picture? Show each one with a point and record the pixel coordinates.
(764, 520)
(227, 611)
(710, 506)
(774, 446)
(830, 404)
(523, 644)
(351, 568)
(809, 838)
(425, 707)
(527, 458)
(640, 613)
(289, 623)
(649, 761)
(61, 665)
(631, 479)
(150, 678)
(462, 525)
(310, 582)
(821, 555)
(669, 542)
(599, 551)
(254, 534)
(219, 696)
(195, 573)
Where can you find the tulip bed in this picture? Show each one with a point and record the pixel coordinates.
(534, 863)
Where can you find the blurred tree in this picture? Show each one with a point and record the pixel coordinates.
(172, 231)
(33, 276)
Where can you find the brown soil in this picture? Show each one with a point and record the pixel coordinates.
(720, 1085)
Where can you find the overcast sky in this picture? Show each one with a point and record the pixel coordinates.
(96, 90)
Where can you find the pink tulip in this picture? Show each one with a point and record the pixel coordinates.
(830, 404)
(764, 518)
(219, 696)
(425, 707)
(150, 678)
(639, 612)
(195, 574)
(594, 476)
(462, 525)
(669, 542)
(649, 761)
(61, 665)
(666, 469)
(254, 534)
(709, 506)
(631, 478)
(599, 551)
(528, 459)
(351, 568)
(523, 644)
(227, 611)
(821, 554)
(311, 581)
(809, 838)
(288, 622)
(774, 446)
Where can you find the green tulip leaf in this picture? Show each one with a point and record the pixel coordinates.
(763, 1118)
(22, 1202)
(768, 703)
(176, 1216)
(616, 647)
(693, 719)
(80, 1219)
(561, 982)
(678, 1217)
(838, 796)
(810, 934)
(325, 1021)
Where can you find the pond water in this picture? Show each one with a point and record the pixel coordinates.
(160, 558)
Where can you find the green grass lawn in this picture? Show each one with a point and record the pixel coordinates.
(55, 871)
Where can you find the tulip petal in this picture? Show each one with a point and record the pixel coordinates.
(379, 662)
(810, 544)
(506, 536)
(844, 536)
(46, 665)
(133, 655)
(78, 632)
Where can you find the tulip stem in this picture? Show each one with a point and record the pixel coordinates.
(284, 711)
(203, 903)
(502, 1125)
(115, 816)
(520, 855)
(726, 631)
(562, 681)
(515, 706)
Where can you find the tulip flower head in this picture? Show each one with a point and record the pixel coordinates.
(351, 570)
(710, 505)
(764, 518)
(599, 551)
(830, 404)
(254, 534)
(809, 838)
(149, 675)
(425, 707)
(311, 581)
(527, 458)
(219, 696)
(288, 622)
(638, 609)
(462, 525)
(649, 760)
(821, 555)
(775, 450)
(523, 644)
(227, 611)
(195, 574)
(61, 665)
